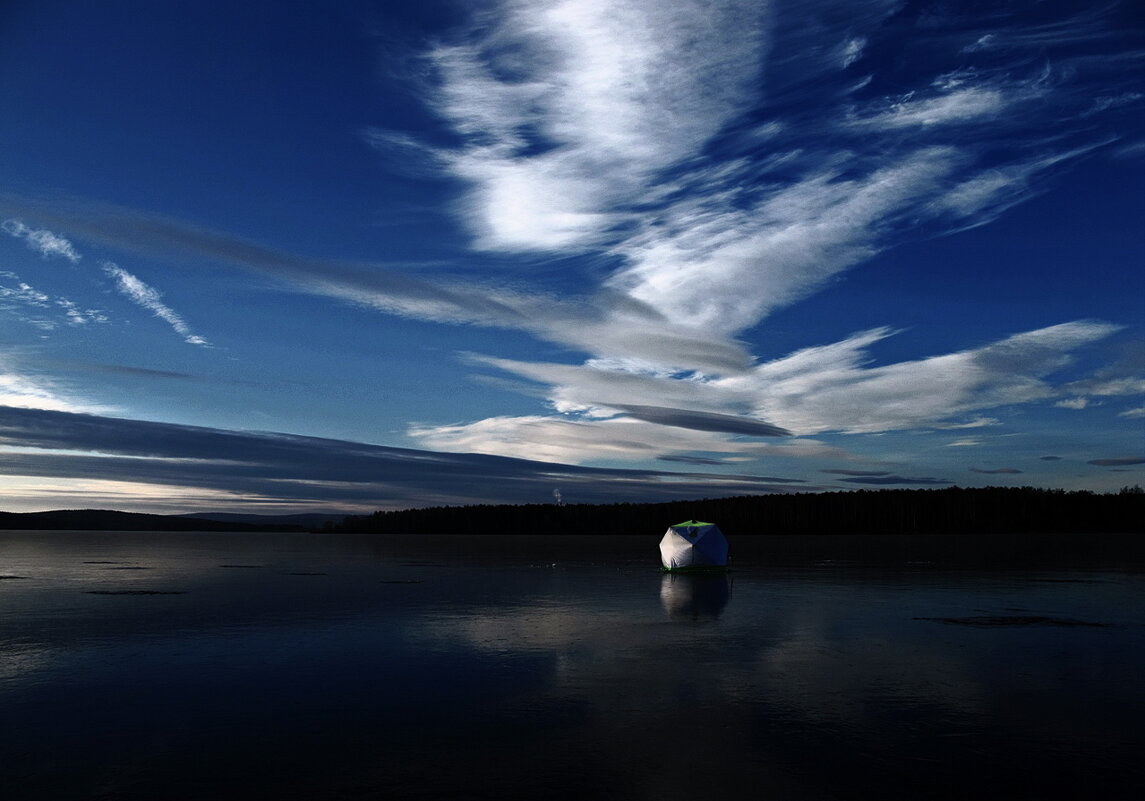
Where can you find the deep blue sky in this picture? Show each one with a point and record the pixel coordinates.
(276, 256)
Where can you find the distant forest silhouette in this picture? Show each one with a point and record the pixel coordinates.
(988, 510)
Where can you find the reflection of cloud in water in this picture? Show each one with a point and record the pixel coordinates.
(553, 628)
(786, 662)
(694, 596)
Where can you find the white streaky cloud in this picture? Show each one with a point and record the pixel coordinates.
(16, 295)
(77, 316)
(984, 42)
(46, 243)
(723, 268)
(1131, 151)
(1084, 25)
(570, 109)
(150, 298)
(20, 293)
(1101, 104)
(1133, 413)
(960, 106)
(645, 341)
(1126, 385)
(828, 388)
(599, 325)
(601, 389)
(853, 50)
(1073, 403)
(978, 422)
(403, 154)
(617, 439)
(999, 188)
(983, 197)
(607, 323)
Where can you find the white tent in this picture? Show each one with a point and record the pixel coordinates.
(693, 544)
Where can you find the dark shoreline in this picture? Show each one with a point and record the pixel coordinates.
(953, 510)
(877, 514)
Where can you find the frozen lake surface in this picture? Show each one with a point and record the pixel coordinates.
(307, 666)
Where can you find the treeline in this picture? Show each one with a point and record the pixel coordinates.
(937, 511)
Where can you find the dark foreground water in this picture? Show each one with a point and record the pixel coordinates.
(209, 666)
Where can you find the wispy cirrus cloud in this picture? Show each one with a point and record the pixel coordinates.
(45, 242)
(49, 244)
(619, 127)
(959, 106)
(604, 323)
(149, 298)
(40, 309)
(831, 387)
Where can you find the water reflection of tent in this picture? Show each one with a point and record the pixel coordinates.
(693, 545)
(694, 595)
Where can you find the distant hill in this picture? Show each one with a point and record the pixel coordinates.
(108, 520)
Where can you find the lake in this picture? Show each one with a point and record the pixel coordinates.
(309, 666)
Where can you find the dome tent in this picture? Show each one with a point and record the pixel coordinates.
(693, 545)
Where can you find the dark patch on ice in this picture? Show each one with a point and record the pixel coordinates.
(134, 592)
(1072, 581)
(247, 566)
(103, 563)
(133, 567)
(2, 578)
(994, 621)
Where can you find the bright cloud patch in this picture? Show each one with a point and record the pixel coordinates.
(570, 108)
(21, 389)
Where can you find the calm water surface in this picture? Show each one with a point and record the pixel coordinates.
(282, 666)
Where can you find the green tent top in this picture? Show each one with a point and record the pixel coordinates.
(687, 523)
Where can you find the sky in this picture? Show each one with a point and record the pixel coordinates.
(281, 256)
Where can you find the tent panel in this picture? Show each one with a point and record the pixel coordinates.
(693, 547)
